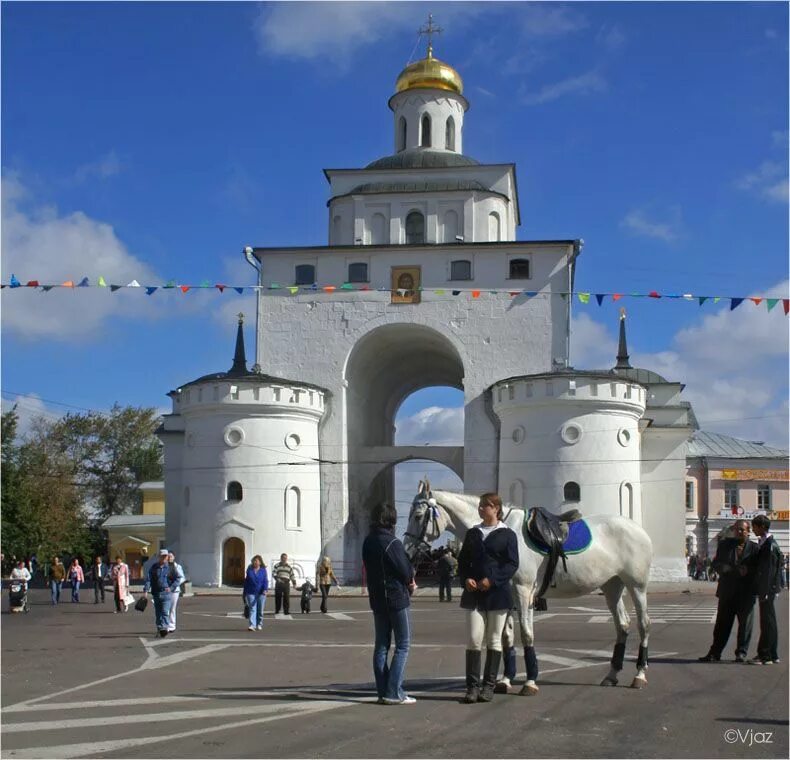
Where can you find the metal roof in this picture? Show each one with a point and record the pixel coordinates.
(421, 158)
(702, 444)
(133, 521)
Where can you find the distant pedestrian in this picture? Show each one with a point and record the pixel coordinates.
(162, 581)
(767, 584)
(447, 566)
(307, 590)
(98, 574)
(256, 584)
(120, 584)
(76, 577)
(325, 577)
(284, 577)
(57, 574)
(21, 573)
(180, 578)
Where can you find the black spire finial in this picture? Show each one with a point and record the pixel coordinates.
(239, 359)
(622, 349)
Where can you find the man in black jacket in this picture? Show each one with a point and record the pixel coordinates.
(767, 583)
(735, 592)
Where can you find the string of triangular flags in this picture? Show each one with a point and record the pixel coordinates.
(583, 296)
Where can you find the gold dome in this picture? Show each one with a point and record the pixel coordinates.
(428, 73)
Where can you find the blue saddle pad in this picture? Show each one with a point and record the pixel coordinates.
(579, 539)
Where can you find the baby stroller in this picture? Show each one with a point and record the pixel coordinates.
(17, 596)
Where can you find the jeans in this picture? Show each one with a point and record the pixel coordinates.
(75, 591)
(54, 590)
(389, 678)
(162, 604)
(98, 589)
(256, 603)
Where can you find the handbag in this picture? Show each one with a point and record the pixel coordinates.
(141, 604)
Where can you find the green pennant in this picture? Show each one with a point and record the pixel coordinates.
(205, 284)
(169, 284)
(584, 297)
(716, 299)
(101, 283)
(346, 286)
(771, 302)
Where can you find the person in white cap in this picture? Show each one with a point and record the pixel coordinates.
(162, 582)
(171, 558)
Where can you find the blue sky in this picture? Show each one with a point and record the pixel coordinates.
(155, 140)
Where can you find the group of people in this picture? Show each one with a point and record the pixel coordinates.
(98, 574)
(747, 571)
(486, 564)
(256, 586)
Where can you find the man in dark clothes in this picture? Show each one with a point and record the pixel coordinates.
(446, 566)
(735, 591)
(767, 583)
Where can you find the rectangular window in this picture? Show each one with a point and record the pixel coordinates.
(304, 275)
(358, 272)
(528, 388)
(519, 269)
(730, 496)
(461, 270)
(690, 505)
(764, 497)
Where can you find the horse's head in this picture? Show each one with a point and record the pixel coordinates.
(426, 522)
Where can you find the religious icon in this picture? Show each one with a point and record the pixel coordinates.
(405, 285)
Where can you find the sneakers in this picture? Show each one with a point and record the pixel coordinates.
(740, 658)
(251, 628)
(708, 658)
(760, 661)
(258, 627)
(407, 700)
(502, 686)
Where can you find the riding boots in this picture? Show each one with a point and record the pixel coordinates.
(472, 676)
(493, 658)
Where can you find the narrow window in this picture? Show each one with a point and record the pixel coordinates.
(572, 492)
(425, 142)
(234, 491)
(358, 272)
(401, 134)
(449, 134)
(731, 497)
(494, 227)
(461, 270)
(378, 230)
(415, 227)
(450, 227)
(764, 497)
(519, 269)
(305, 274)
(293, 508)
(337, 228)
(690, 496)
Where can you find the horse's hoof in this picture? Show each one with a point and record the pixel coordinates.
(639, 683)
(528, 690)
(609, 682)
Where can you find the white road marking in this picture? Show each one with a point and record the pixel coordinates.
(338, 616)
(108, 703)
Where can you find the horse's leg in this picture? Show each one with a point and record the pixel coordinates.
(639, 597)
(525, 596)
(613, 591)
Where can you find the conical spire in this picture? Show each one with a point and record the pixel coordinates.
(622, 349)
(239, 358)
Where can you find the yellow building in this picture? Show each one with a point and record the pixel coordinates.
(138, 537)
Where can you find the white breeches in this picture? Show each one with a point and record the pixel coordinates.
(172, 619)
(485, 628)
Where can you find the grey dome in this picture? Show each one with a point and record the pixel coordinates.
(422, 158)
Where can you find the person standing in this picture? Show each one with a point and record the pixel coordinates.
(735, 592)
(77, 577)
(446, 565)
(390, 579)
(256, 584)
(98, 573)
(180, 578)
(325, 577)
(488, 560)
(57, 574)
(120, 583)
(284, 577)
(162, 582)
(767, 584)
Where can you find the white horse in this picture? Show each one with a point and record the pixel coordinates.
(618, 558)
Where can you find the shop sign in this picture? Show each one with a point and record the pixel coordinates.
(755, 474)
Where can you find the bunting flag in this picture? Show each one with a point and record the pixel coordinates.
(653, 294)
(702, 300)
(616, 296)
(151, 289)
(239, 290)
(786, 304)
(113, 288)
(70, 284)
(771, 302)
(599, 297)
(184, 288)
(735, 303)
(14, 282)
(32, 284)
(84, 283)
(475, 294)
(757, 301)
(584, 297)
(293, 290)
(101, 283)
(220, 288)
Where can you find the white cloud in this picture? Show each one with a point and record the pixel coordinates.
(28, 409)
(583, 84)
(779, 138)
(107, 166)
(592, 345)
(434, 425)
(41, 244)
(668, 229)
(549, 19)
(769, 181)
(610, 37)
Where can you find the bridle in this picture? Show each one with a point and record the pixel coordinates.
(430, 518)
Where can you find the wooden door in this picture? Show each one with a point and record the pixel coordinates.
(233, 562)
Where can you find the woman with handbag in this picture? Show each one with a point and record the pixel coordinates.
(120, 584)
(325, 576)
(256, 584)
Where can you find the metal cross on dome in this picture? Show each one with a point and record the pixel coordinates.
(240, 315)
(429, 29)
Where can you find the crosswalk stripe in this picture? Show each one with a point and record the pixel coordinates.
(339, 616)
(108, 703)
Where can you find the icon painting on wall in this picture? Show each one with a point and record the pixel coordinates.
(405, 285)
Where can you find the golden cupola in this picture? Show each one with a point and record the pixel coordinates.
(429, 73)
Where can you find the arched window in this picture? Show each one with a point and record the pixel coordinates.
(293, 508)
(461, 270)
(425, 142)
(572, 492)
(449, 133)
(305, 274)
(401, 134)
(517, 493)
(415, 227)
(234, 491)
(450, 226)
(519, 269)
(627, 500)
(358, 272)
(378, 230)
(494, 227)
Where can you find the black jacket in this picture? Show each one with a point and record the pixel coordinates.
(495, 558)
(388, 571)
(727, 564)
(768, 568)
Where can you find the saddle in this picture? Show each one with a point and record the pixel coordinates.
(547, 529)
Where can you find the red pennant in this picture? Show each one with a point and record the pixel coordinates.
(616, 296)
(757, 301)
(220, 288)
(475, 294)
(32, 284)
(786, 304)
(184, 288)
(364, 287)
(514, 293)
(653, 294)
(329, 288)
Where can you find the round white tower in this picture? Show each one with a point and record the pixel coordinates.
(571, 439)
(245, 479)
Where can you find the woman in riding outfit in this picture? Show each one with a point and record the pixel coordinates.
(487, 562)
